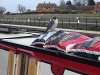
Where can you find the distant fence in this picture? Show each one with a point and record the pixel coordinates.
(67, 23)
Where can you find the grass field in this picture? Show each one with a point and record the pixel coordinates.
(51, 15)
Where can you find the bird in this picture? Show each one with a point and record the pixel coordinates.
(52, 25)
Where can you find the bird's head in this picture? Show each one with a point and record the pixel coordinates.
(54, 18)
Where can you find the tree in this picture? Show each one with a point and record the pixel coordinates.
(8, 13)
(2, 9)
(68, 3)
(80, 2)
(84, 2)
(21, 8)
(29, 10)
(77, 2)
(91, 2)
(62, 5)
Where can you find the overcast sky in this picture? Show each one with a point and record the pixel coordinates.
(11, 5)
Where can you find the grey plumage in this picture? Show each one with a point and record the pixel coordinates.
(52, 25)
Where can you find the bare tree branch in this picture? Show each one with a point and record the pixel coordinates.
(62, 4)
(2, 9)
(80, 2)
(21, 8)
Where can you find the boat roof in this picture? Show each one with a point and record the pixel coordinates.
(24, 39)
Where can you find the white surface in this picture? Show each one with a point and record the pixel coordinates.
(45, 69)
(67, 72)
(3, 62)
(12, 35)
(23, 41)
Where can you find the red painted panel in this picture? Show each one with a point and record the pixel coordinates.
(80, 67)
(62, 63)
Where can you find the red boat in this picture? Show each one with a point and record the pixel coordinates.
(33, 60)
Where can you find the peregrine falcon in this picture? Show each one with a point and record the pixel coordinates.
(52, 24)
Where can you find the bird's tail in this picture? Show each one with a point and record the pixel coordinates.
(45, 31)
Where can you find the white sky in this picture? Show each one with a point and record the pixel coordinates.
(11, 5)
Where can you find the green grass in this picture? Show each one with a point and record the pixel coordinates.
(51, 15)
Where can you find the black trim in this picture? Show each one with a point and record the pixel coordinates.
(80, 60)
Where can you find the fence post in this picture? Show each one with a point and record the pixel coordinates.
(0, 20)
(44, 22)
(77, 23)
(19, 21)
(7, 21)
(4, 20)
(22, 21)
(69, 23)
(30, 21)
(26, 21)
(39, 21)
(96, 25)
(86, 23)
(10, 20)
(62, 23)
(34, 21)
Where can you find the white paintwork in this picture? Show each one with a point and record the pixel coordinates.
(67, 72)
(45, 69)
(39, 65)
(3, 62)
(12, 35)
(23, 41)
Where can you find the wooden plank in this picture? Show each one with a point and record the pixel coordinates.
(15, 64)
(32, 70)
(26, 65)
(10, 63)
(19, 63)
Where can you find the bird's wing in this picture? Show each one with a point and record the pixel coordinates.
(50, 24)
